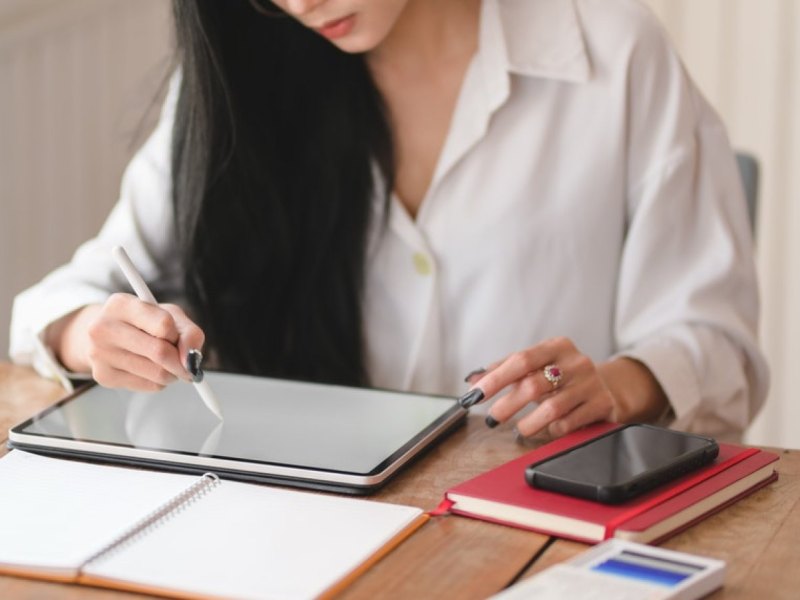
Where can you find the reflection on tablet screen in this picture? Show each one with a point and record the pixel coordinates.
(317, 426)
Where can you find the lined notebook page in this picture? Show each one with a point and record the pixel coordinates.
(55, 513)
(247, 541)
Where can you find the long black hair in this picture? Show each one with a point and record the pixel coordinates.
(276, 142)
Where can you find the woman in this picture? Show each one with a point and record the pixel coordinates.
(395, 192)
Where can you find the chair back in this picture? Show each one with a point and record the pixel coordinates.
(749, 170)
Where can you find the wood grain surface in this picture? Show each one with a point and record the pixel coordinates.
(456, 557)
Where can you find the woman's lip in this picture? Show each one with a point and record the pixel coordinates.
(337, 28)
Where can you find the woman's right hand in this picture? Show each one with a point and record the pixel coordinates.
(127, 343)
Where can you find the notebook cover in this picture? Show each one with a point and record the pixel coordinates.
(701, 490)
(765, 482)
(506, 485)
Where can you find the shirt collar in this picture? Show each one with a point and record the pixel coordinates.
(537, 38)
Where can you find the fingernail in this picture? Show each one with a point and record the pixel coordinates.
(524, 440)
(194, 358)
(471, 374)
(491, 422)
(471, 398)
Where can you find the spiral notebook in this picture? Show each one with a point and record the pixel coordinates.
(186, 536)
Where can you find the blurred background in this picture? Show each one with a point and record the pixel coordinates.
(79, 85)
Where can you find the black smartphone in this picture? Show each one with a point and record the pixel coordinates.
(622, 463)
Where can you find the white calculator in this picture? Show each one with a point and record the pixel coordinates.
(623, 570)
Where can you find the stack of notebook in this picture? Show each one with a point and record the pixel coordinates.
(502, 495)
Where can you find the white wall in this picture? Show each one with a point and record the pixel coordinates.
(76, 75)
(745, 56)
(76, 78)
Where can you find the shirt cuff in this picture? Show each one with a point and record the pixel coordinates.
(45, 363)
(674, 371)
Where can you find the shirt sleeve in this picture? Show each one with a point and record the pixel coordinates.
(142, 221)
(687, 293)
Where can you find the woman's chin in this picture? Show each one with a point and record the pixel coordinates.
(356, 43)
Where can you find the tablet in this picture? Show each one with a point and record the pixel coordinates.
(326, 437)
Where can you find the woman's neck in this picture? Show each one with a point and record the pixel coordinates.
(428, 33)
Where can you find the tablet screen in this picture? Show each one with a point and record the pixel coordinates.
(326, 427)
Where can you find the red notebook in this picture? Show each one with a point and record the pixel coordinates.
(502, 496)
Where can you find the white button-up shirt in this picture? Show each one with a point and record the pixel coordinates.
(585, 189)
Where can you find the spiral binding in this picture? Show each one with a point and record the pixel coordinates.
(166, 511)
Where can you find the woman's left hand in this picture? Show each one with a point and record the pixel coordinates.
(571, 390)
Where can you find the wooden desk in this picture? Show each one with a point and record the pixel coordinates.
(455, 557)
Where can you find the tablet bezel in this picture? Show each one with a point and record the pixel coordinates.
(241, 469)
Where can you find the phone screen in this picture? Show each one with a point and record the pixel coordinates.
(628, 453)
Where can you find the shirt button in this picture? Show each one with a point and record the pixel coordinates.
(422, 264)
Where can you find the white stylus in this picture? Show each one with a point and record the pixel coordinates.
(143, 292)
